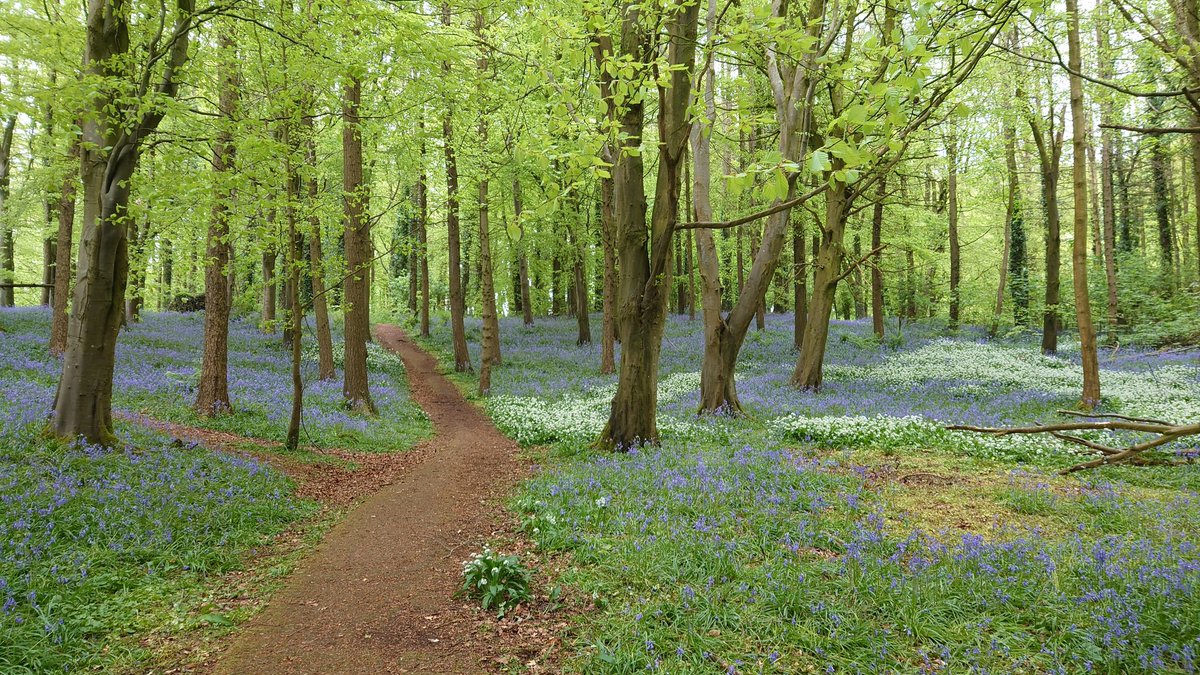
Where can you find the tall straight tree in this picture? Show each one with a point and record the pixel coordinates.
(1107, 203)
(7, 240)
(212, 394)
(1049, 142)
(1079, 249)
(114, 129)
(356, 305)
(462, 357)
(952, 218)
(644, 253)
(62, 252)
(487, 288)
(316, 258)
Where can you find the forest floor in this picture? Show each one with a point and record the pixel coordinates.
(376, 596)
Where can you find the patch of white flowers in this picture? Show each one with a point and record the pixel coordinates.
(911, 431)
(531, 420)
(1170, 392)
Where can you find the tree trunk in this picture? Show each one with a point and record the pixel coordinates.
(1079, 249)
(423, 232)
(357, 287)
(877, 259)
(809, 367)
(269, 282)
(608, 323)
(645, 252)
(212, 396)
(800, 285)
(7, 242)
(462, 358)
(1107, 204)
(1049, 146)
(724, 336)
(295, 316)
(62, 260)
(487, 288)
(112, 136)
(1162, 201)
(1010, 164)
(522, 257)
(952, 213)
(316, 260)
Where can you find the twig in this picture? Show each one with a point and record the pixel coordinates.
(1095, 416)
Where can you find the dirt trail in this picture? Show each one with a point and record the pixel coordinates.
(375, 596)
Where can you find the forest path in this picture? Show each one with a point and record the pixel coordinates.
(375, 595)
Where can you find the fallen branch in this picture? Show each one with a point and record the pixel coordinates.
(1166, 432)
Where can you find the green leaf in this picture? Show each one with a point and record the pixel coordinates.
(818, 162)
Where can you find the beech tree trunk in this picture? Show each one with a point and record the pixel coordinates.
(83, 402)
(645, 252)
(602, 49)
(7, 242)
(356, 305)
(952, 213)
(62, 256)
(487, 287)
(877, 259)
(1079, 248)
(462, 357)
(800, 285)
(1010, 163)
(316, 260)
(269, 282)
(1107, 203)
(422, 226)
(212, 394)
(295, 316)
(809, 367)
(1049, 147)
(522, 257)
(724, 336)
(579, 273)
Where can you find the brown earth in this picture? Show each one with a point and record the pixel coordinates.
(376, 596)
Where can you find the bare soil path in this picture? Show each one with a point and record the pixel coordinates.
(375, 596)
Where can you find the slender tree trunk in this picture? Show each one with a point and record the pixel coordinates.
(1049, 145)
(608, 324)
(800, 285)
(522, 257)
(423, 232)
(1010, 164)
(357, 287)
(1108, 206)
(7, 242)
(1162, 201)
(809, 367)
(295, 315)
(1079, 250)
(877, 259)
(269, 281)
(691, 265)
(952, 213)
(581, 295)
(316, 260)
(487, 287)
(62, 261)
(212, 395)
